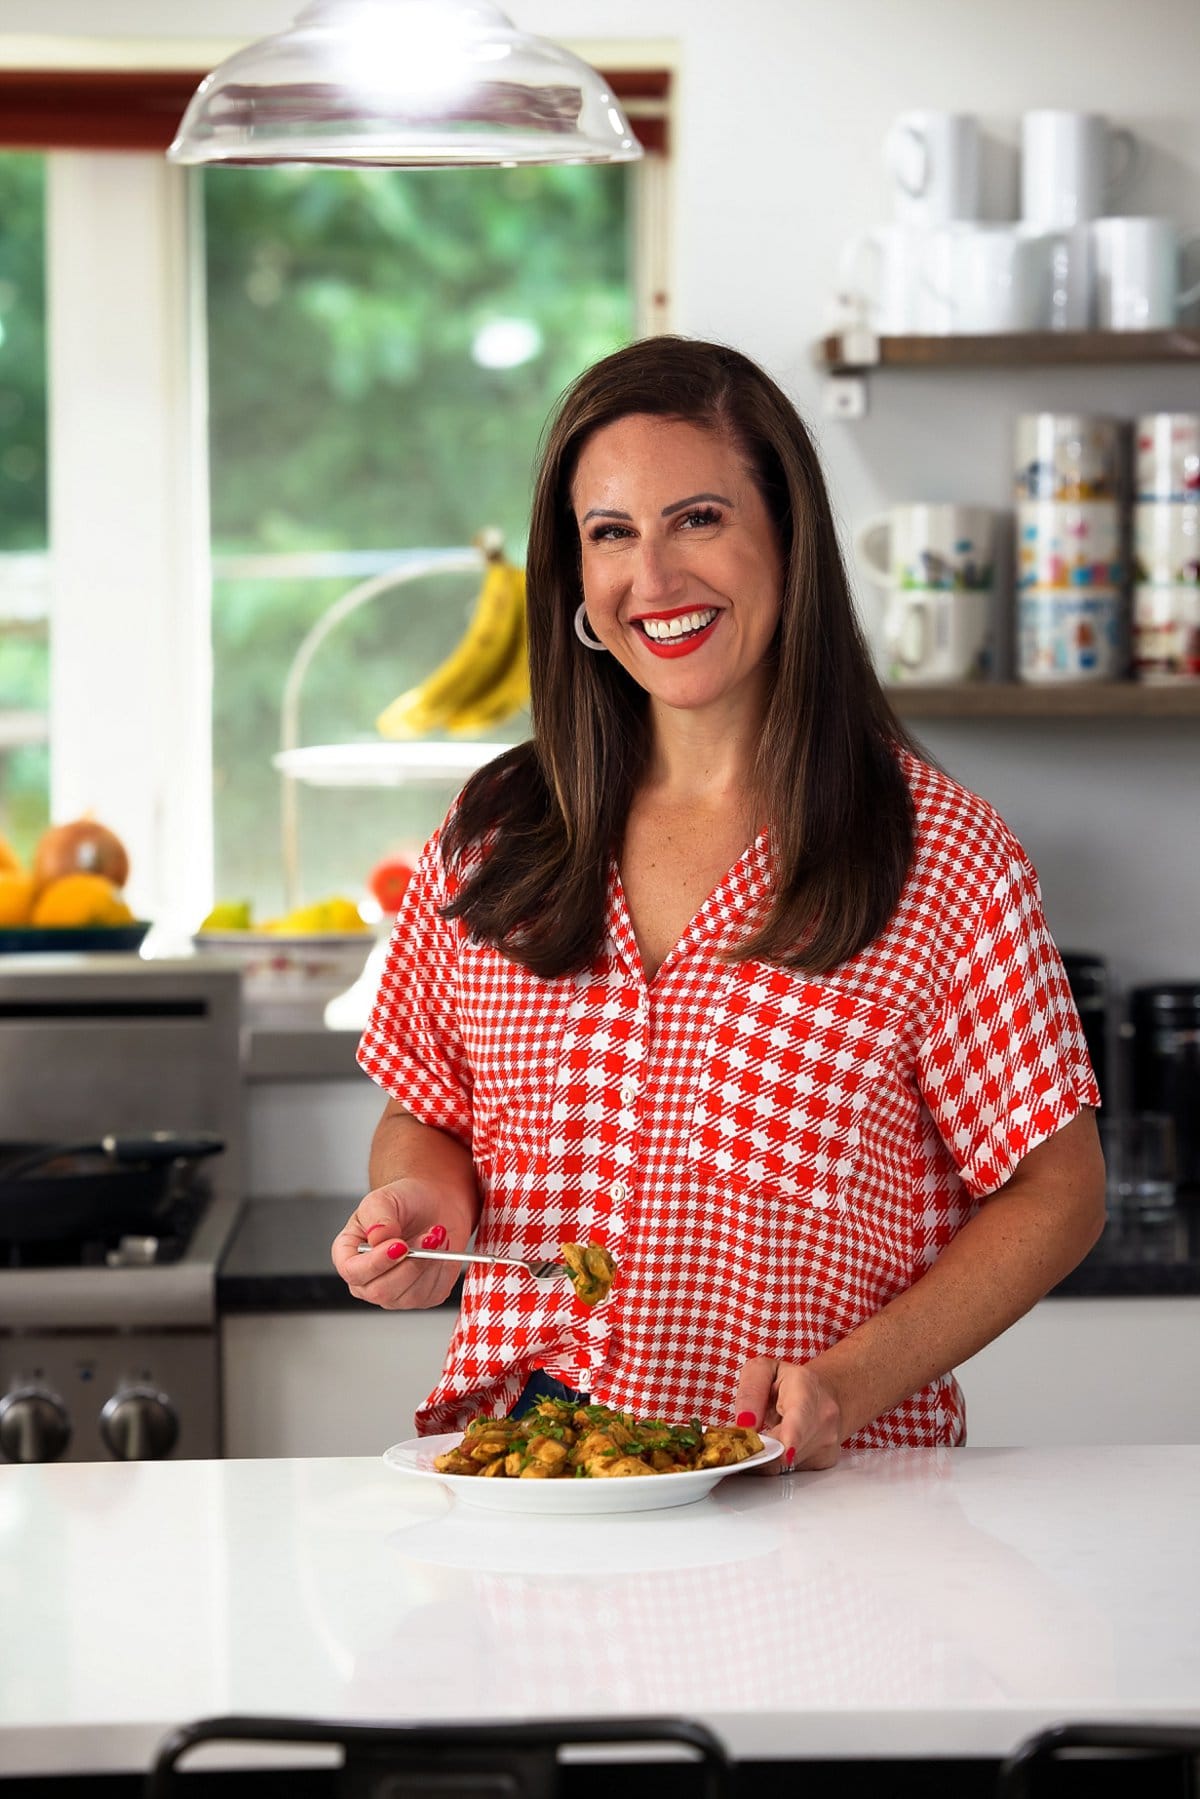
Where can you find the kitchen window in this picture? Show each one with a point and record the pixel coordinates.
(383, 349)
(271, 367)
(24, 626)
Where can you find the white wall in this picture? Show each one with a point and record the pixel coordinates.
(780, 120)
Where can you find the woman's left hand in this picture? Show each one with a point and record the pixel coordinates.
(791, 1401)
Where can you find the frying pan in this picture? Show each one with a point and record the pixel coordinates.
(52, 1191)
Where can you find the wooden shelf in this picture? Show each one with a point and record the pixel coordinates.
(858, 352)
(1085, 699)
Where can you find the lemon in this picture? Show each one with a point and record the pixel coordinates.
(336, 914)
(228, 915)
(343, 915)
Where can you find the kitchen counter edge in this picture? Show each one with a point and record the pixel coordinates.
(278, 1259)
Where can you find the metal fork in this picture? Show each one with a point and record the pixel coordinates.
(538, 1271)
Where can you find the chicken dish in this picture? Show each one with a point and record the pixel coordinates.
(592, 1270)
(559, 1439)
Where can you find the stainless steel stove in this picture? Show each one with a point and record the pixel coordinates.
(109, 1346)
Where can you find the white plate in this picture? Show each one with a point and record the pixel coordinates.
(636, 1493)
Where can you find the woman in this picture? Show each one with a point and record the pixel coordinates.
(720, 973)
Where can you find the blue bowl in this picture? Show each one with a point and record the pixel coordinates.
(26, 939)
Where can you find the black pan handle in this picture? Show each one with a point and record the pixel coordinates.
(156, 1146)
(161, 1146)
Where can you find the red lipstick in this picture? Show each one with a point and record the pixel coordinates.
(671, 647)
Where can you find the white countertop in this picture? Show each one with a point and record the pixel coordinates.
(922, 1602)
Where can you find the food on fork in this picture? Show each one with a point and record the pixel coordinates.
(559, 1439)
(591, 1268)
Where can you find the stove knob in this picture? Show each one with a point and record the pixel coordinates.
(34, 1426)
(139, 1424)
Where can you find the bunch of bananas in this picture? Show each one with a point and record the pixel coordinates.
(485, 678)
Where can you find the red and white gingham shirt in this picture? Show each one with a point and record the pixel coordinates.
(770, 1158)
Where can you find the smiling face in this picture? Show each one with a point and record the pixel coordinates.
(682, 571)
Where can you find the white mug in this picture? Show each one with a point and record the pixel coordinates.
(1073, 636)
(887, 266)
(1072, 165)
(1166, 542)
(1138, 281)
(930, 545)
(981, 285)
(1167, 457)
(933, 161)
(1166, 634)
(1067, 456)
(1057, 277)
(932, 636)
(1072, 543)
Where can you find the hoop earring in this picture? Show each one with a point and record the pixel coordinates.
(581, 629)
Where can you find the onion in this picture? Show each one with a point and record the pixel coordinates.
(82, 847)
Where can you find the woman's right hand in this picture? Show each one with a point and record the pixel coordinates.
(406, 1214)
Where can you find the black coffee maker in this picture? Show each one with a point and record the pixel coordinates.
(1087, 977)
(1163, 1038)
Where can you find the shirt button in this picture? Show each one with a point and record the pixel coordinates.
(619, 1192)
(629, 1092)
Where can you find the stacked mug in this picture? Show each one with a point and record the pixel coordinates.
(1070, 565)
(1166, 547)
(938, 267)
(936, 566)
(941, 266)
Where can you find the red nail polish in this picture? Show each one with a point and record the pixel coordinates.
(435, 1238)
(789, 1456)
(375, 1227)
(396, 1250)
(747, 1420)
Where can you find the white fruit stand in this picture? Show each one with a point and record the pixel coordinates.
(384, 764)
(372, 763)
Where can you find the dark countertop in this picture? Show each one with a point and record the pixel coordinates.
(278, 1258)
(1143, 1261)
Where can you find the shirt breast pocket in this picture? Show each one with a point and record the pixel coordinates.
(791, 1066)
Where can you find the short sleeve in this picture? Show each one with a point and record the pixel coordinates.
(1005, 1064)
(412, 1045)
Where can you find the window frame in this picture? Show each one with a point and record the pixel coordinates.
(131, 670)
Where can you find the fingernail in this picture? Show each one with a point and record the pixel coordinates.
(396, 1250)
(747, 1420)
(435, 1238)
(375, 1227)
(789, 1456)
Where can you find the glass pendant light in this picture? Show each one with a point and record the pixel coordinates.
(405, 84)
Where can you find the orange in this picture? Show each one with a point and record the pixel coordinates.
(80, 900)
(9, 858)
(16, 896)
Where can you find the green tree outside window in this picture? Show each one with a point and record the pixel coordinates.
(24, 640)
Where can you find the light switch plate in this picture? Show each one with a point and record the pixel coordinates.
(844, 397)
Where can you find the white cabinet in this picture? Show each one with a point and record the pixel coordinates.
(1072, 1371)
(327, 1383)
(1089, 1371)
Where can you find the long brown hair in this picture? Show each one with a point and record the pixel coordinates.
(550, 813)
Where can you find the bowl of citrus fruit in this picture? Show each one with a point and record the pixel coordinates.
(291, 965)
(69, 895)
